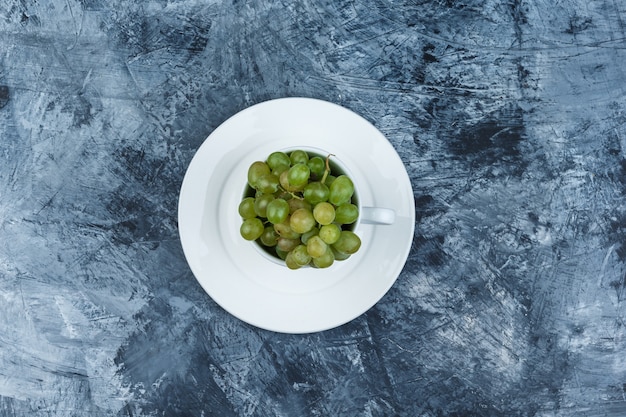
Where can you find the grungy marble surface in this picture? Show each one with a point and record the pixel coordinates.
(510, 117)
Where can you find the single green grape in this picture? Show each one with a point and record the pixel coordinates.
(256, 171)
(326, 260)
(324, 213)
(317, 167)
(283, 179)
(348, 242)
(287, 245)
(298, 203)
(277, 211)
(316, 192)
(269, 237)
(300, 255)
(251, 229)
(267, 184)
(278, 162)
(298, 175)
(301, 221)
(246, 208)
(339, 256)
(347, 213)
(284, 230)
(291, 262)
(341, 190)
(316, 247)
(330, 233)
(298, 157)
(281, 253)
(260, 204)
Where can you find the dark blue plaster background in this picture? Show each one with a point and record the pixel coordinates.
(510, 117)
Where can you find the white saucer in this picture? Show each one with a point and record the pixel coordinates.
(233, 272)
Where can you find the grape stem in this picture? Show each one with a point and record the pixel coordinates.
(327, 170)
(291, 193)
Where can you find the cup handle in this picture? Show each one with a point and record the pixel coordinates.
(377, 215)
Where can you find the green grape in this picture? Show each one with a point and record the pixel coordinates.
(348, 242)
(330, 233)
(347, 213)
(301, 221)
(246, 208)
(306, 236)
(277, 211)
(326, 260)
(269, 237)
(329, 180)
(316, 192)
(300, 255)
(298, 175)
(297, 203)
(280, 170)
(267, 184)
(324, 213)
(284, 230)
(260, 204)
(339, 256)
(278, 162)
(287, 245)
(298, 157)
(284, 182)
(281, 253)
(316, 247)
(341, 190)
(317, 167)
(256, 171)
(251, 229)
(290, 261)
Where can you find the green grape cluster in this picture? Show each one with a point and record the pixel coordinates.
(300, 211)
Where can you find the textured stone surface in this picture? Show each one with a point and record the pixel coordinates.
(510, 118)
